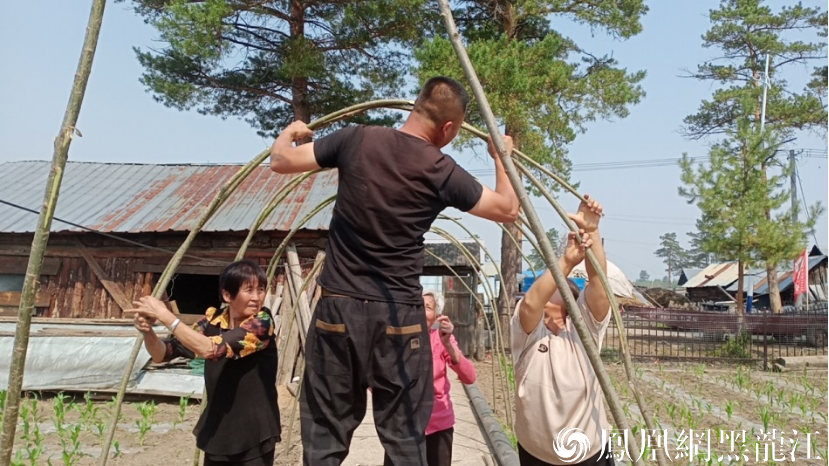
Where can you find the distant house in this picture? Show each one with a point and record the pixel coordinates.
(685, 275)
(719, 282)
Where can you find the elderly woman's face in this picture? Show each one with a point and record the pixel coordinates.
(431, 309)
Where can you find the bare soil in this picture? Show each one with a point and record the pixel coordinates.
(169, 440)
(696, 395)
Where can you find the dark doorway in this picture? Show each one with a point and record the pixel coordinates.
(193, 294)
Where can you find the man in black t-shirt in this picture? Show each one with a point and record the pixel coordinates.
(369, 328)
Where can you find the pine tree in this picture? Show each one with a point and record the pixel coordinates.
(272, 62)
(644, 278)
(543, 85)
(672, 254)
(733, 200)
(535, 258)
(746, 31)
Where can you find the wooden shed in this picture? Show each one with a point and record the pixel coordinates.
(117, 225)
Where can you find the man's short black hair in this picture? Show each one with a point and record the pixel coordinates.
(238, 273)
(442, 99)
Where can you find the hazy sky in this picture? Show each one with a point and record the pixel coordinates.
(120, 122)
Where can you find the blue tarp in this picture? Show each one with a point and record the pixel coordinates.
(529, 279)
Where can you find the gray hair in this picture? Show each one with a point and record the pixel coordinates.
(438, 297)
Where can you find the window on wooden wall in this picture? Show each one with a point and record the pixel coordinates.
(193, 293)
(11, 282)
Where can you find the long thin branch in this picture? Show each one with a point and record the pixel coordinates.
(44, 226)
(536, 226)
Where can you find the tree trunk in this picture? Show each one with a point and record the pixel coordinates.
(774, 288)
(511, 261)
(44, 225)
(771, 268)
(510, 269)
(537, 228)
(299, 84)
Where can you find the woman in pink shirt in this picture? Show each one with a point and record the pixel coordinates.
(445, 354)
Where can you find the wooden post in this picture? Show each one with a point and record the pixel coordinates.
(535, 224)
(44, 225)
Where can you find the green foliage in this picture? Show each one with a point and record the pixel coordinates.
(506, 365)
(745, 31)
(733, 198)
(273, 62)
(820, 84)
(183, 402)
(88, 411)
(543, 86)
(696, 256)
(32, 437)
(672, 254)
(147, 410)
(644, 276)
(738, 347)
(535, 258)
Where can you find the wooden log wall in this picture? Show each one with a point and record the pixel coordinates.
(72, 290)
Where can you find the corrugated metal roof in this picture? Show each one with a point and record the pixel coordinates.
(785, 279)
(133, 198)
(755, 276)
(722, 274)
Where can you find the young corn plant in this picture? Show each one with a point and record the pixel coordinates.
(729, 408)
(32, 436)
(740, 378)
(110, 407)
(765, 416)
(60, 407)
(100, 429)
(71, 443)
(147, 410)
(183, 402)
(88, 411)
(2, 404)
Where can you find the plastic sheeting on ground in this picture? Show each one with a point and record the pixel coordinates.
(82, 363)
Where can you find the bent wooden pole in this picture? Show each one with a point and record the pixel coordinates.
(266, 212)
(614, 306)
(44, 226)
(272, 266)
(536, 226)
(221, 196)
(498, 346)
(491, 298)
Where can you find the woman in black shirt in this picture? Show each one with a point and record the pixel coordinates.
(240, 424)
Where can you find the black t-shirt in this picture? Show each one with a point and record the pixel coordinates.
(392, 186)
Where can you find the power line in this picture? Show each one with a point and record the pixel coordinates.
(805, 206)
(616, 165)
(110, 236)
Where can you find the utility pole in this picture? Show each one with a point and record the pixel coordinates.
(793, 177)
(765, 94)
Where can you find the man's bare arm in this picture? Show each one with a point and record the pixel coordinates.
(287, 158)
(500, 205)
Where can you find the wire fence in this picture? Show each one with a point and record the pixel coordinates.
(656, 333)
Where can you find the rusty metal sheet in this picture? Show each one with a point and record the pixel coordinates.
(137, 198)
